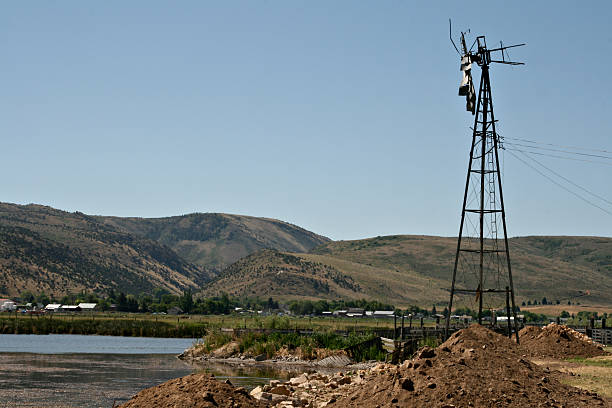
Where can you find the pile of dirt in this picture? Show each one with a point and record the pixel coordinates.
(193, 391)
(475, 367)
(558, 341)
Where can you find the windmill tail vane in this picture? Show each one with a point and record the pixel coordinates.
(482, 57)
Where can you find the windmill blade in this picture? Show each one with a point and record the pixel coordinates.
(450, 35)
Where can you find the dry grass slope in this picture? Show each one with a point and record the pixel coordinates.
(218, 240)
(46, 249)
(414, 270)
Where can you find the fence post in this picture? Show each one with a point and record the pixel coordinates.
(508, 311)
(410, 327)
(394, 326)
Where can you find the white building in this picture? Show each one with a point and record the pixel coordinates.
(383, 313)
(7, 305)
(88, 307)
(53, 307)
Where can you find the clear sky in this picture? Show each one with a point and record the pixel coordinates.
(341, 117)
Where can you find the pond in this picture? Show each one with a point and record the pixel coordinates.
(97, 371)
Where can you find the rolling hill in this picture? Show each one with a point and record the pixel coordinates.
(215, 241)
(44, 249)
(415, 269)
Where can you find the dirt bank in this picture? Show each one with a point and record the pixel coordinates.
(475, 367)
(194, 391)
(557, 341)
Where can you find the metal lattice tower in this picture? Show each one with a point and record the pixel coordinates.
(482, 271)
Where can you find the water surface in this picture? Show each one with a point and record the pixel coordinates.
(97, 371)
(76, 343)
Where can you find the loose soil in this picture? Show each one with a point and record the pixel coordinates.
(475, 367)
(193, 391)
(558, 341)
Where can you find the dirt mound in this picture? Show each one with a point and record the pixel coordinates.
(475, 367)
(558, 341)
(194, 391)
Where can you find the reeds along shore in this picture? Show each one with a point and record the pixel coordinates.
(101, 326)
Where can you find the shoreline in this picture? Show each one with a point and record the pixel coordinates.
(280, 363)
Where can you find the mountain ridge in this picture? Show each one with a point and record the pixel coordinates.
(216, 240)
(51, 250)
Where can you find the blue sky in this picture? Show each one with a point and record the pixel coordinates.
(341, 117)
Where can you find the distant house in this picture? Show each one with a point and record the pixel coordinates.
(340, 313)
(505, 318)
(383, 313)
(7, 305)
(88, 307)
(53, 307)
(355, 312)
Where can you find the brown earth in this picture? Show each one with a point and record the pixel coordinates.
(193, 391)
(558, 341)
(475, 367)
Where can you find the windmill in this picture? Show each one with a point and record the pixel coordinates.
(482, 271)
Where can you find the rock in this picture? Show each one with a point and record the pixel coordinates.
(298, 380)
(344, 380)
(280, 390)
(257, 393)
(266, 396)
(426, 352)
(260, 357)
(407, 384)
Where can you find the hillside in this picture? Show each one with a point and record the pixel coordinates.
(415, 269)
(288, 276)
(218, 240)
(552, 267)
(44, 249)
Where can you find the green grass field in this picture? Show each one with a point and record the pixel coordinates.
(195, 326)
